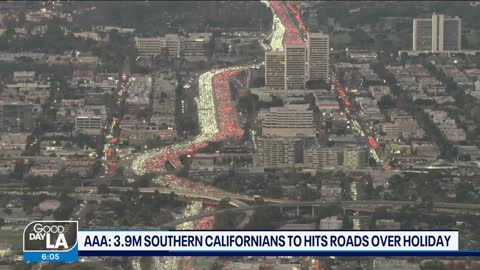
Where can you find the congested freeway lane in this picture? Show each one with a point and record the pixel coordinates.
(217, 119)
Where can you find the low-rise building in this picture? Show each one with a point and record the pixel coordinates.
(46, 167)
(370, 110)
(12, 144)
(79, 165)
(331, 190)
(354, 157)
(363, 56)
(457, 75)
(139, 133)
(446, 125)
(327, 103)
(402, 125)
(426, 151)
(379, 91)
(23, 76)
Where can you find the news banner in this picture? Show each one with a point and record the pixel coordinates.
(61, 241)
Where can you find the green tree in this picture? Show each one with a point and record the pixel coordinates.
(103, 189)
(263, 218)
(465, 192)
(224, 221)
(66, 207)
(386, 103)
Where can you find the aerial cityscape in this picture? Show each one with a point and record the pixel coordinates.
(241, 115)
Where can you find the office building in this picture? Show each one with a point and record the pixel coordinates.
(277, 152)
(163, 103)
(354, 157)
(90, 120)
(322, 157)
(149, 46)
(23, 76)
(437, 34)
(275, 69)
(452, 35)
(16, 116)
(192, 47)
(318, 157)
(173, 45)
(295, 66)
(331, 190)
(195, 47)
(318, 60)
(292, 120)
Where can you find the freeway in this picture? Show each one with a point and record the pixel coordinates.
(216, 115)
(349, 205)
(236, 199)
(291, 203)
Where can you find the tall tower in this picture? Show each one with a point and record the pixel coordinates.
(437, 34)
(452, 35)
(318, 56)
(275, 69)
(437, 31)
(422, 34)
(295, 67)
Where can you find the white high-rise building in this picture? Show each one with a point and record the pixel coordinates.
(295, 66)
(437, 34)
(318, 60)
(275, 69)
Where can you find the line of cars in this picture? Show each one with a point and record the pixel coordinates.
(349, 111)
(217, 122)
(111, 147)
